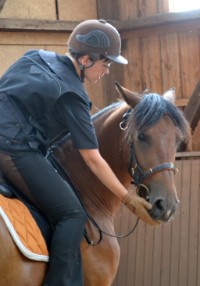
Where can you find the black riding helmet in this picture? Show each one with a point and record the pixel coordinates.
(98, 39)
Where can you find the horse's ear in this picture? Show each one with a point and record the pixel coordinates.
(170, 95)
(131, 98)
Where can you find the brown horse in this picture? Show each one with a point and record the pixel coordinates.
(139, 139)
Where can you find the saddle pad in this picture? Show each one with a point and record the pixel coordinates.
(23, 229)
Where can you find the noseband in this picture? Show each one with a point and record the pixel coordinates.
(138, 175)
(135, 170)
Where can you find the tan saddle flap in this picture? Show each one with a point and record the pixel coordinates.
(23, 229)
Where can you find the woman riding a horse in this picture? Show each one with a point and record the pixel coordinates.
(42, 99)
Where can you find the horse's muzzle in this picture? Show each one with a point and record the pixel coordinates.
(163, 209)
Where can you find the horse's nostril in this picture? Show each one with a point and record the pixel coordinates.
(163, 209)
(160, 205)
(143, 192)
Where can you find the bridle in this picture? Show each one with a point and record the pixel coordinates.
(135, 170)
(139, 176)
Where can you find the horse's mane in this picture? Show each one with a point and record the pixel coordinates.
(148, 111)
(106, 109)
(151, 109)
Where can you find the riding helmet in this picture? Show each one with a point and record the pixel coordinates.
(96, 38)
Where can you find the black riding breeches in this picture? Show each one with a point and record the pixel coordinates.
(36, 178)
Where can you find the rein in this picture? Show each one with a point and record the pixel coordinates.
(65, 176)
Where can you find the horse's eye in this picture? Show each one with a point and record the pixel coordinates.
(142, 136)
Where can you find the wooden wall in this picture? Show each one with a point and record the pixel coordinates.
(127, 10)
(164, 57)
(167, 255)
(76, 10)
(31, 16)
(163, 50)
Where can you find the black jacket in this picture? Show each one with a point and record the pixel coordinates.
(33, 85)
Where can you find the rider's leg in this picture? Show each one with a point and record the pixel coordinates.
(37, 179)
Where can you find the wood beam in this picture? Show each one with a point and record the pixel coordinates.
(36, 25)
(157, 20)
(188, 154)
(192, 110)
(182, 102)
(2, 2)
(134, 24)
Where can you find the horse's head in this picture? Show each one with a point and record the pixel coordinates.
(154, 128)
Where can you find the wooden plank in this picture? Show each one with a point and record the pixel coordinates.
(2, 2)
(77, 10)
(198, 250)
(37, 25)
(132, 246)
(146, 8)
(10, 52)
(184, 224)
(189, 57)
(166, 255)
(140, 254)
(167, 20)
(118, 221)
(175, 237)
(157, 256)
(149, 248)
(163, 6)
(35, 38)
(127, 9)
(173, 257)
(181, 102)
(192, 110)
(170, 63)
(107, 9)
(189, 155)
(27, 9)
(151, 64)
(196, 138)
(170, 254)
(193, 225)
(124, 228)
(133, 71)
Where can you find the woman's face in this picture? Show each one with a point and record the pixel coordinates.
(96, 71)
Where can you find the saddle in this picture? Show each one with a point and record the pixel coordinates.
(15, 209)
(28, 227)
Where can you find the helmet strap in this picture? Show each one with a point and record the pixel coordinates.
(82, 68)
(82, 75)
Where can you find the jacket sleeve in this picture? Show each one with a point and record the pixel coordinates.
(74, 113)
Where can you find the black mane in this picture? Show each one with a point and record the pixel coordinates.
(152, 108)
(148, 112)
(105, 109)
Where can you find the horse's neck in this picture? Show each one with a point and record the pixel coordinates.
(91, 191)
(112, 145)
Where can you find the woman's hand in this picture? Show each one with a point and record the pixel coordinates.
(103, 171)
(139, 207)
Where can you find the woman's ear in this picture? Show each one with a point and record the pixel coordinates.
(85, 61)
